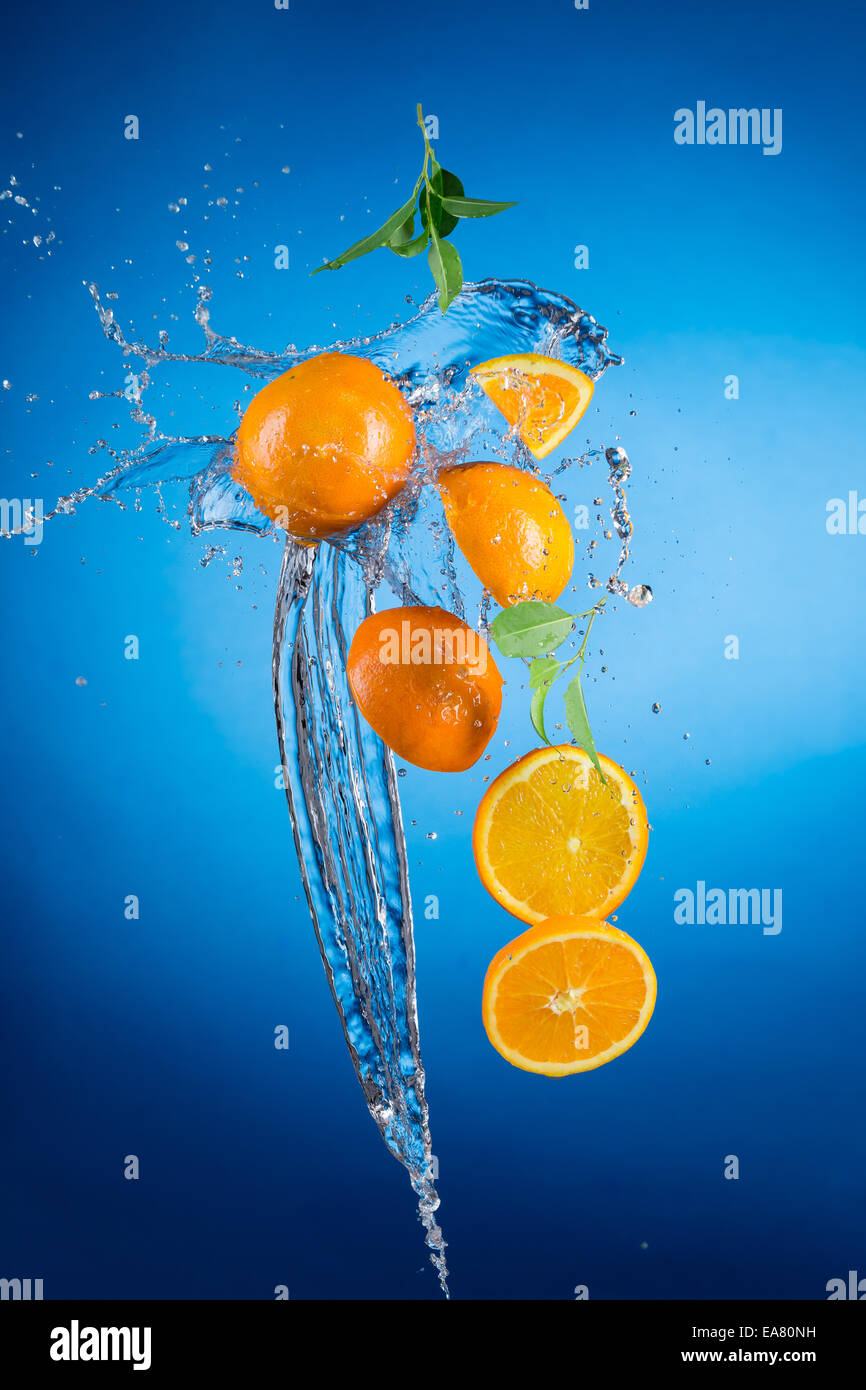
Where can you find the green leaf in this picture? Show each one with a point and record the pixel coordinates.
(536, 713)
(445, 184)
(472, 207)
(403, 233)
(410, 248)
(543, 670)
(532, 628)
(444, 261)
(381, 237)
(578, 722)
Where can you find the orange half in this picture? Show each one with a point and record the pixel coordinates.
(568, 996)
(550, 837)
(540, 396)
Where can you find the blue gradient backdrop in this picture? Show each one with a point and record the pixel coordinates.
(156, 778)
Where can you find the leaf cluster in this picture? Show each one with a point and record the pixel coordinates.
(533, 630)
(438, 202)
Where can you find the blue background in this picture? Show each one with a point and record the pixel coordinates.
(155, 1037)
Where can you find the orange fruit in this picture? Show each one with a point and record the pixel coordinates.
(325, 446)
(568, 996)
(511, 528)
(550, 837)
(542, 397)
(427, 684)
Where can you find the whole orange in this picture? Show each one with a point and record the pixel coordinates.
(427, 684)
(511, 528)
(325, 446)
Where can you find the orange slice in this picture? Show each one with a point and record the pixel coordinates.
(568, 996)
(550, 837)
(542, 397)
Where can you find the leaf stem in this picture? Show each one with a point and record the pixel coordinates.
(591, 614)
(428, 149)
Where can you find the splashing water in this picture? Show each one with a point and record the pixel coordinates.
(340, 778)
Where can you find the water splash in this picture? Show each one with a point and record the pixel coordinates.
(345, 811)
(340, 779)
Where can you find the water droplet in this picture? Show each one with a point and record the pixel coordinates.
(708, 761)
(640, 595)
(686, 736)
(431, 835)
(656, 708)
(401, 772)
(80, 680)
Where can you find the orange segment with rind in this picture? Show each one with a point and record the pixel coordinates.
(550, 837)
(540, 396)
(511, 529)
(568, 996)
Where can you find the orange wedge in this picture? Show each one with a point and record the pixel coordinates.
(568, 996)
(550, 837)
(511, 528)
(541, 397)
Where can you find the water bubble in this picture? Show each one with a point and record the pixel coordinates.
(401, 772)
(640, 595)
(656, 708)
(618, 462)
(708, 761)
(685, 736)
(80, 680)
(431, 835)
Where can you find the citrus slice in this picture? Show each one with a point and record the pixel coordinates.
(568, 996)
(551, 837)
(542, 397)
